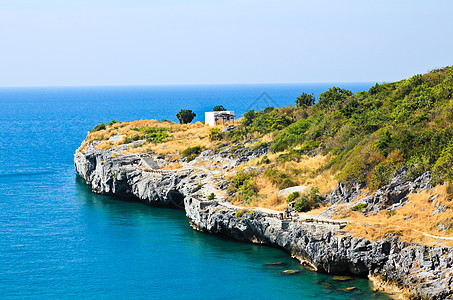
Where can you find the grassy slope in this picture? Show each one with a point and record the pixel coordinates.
(361, 138)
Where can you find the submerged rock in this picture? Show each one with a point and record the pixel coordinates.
(290, 272)
(275, 264)
(342, 278)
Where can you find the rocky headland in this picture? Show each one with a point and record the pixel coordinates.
(319, 242)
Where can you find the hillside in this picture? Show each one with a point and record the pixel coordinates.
(360, 141)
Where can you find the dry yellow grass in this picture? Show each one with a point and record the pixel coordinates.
(408, 222)
(181, 137)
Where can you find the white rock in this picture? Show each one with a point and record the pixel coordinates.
(290, 190)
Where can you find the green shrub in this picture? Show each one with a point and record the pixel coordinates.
(215, 134)
(333, 96)
(390, 213)
(359, 207)
(130, 139)
(305, 100)
(240, 213)
(211, 196)
(243, 187)
(293, 196)
(443, 168)
(308, 201)
(112, 122)
(98, 127)
(191, 153)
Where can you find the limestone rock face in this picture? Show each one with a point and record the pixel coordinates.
(426, 271)
(129, 176)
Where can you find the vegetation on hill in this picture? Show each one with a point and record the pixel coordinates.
(361, 138)
(369, 134)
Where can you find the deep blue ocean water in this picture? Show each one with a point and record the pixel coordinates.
(59, 240)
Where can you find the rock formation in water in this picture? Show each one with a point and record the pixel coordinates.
(422, 271)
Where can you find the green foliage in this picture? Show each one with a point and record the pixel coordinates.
(305, 100)
(279, 179)
(333, 97)
(293, 196)
(185, 116)
(243, 188)
(191, 153)
(215, 134)
(390, 213)
(443, 168)
(219, 108)
(130, 139)
(211, 196)
(240, 213)
(98, 127)
(413, 117)
(112, 122)
(308, 201)
(384, 142)
(383, 172)
(359, 207)
(265, 121)
(416, 167)
(150, 134)
(291, 135)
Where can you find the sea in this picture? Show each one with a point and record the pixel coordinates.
(58, 240)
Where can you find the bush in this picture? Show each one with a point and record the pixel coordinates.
(333, 97)
(293, 196)
(383, 173)
(211, 196)
(130, 139)
(359, 207)
(443, 169)
(215, 134)
(191, 152)
(98, 127)
(219, 108)
(243, 188)
(240, 213)
(185, 116)
(308, 201)
(305, 100)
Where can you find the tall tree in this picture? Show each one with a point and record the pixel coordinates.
(185, 116)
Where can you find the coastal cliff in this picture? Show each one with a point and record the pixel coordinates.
(421, 271)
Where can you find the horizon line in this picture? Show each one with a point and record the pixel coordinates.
(182, 84)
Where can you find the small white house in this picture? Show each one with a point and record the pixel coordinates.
(213, 117)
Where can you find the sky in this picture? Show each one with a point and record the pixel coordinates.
(147, 42)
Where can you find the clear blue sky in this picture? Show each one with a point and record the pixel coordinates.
(141, 42)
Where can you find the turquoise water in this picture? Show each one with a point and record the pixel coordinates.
(59, 240)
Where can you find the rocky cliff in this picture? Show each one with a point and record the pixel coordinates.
(425, 272)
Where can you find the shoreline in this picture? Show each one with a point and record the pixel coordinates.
(421, 271)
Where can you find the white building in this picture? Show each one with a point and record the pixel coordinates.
(213, 117)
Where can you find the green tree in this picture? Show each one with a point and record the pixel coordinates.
(305, 100)
(333, 96)
(219, 108)
(185, 116)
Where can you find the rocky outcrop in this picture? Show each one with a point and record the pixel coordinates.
(424, 271)
(391, 196)
(109, 173)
